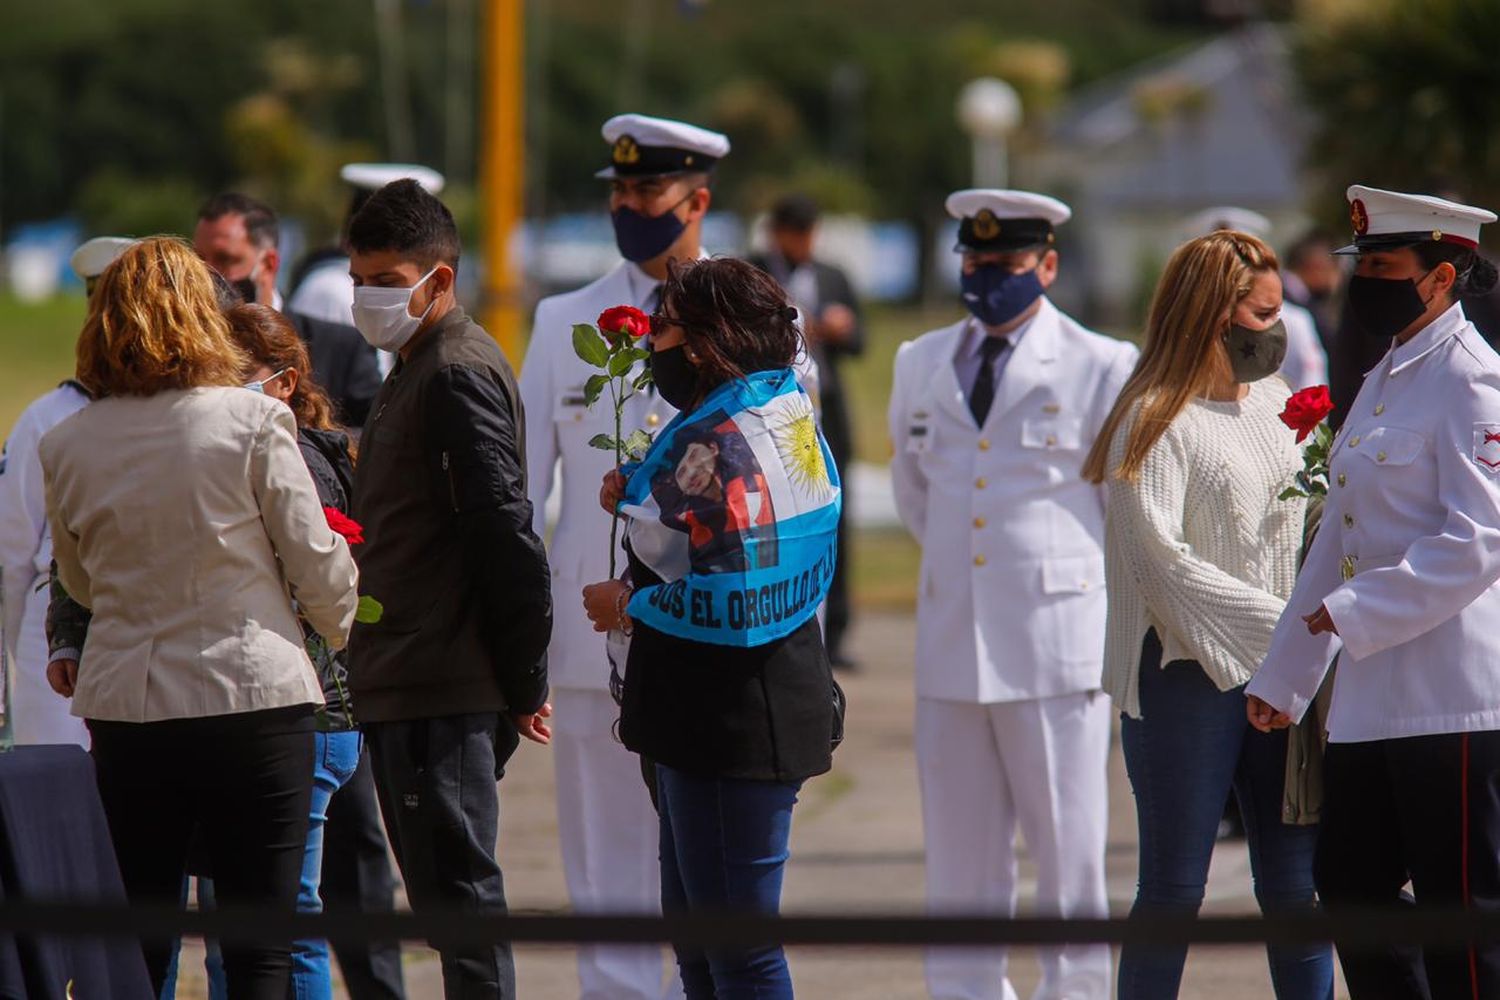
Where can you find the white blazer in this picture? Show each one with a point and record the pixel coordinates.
(558, 429)
(1011, 598)
(1407, 557)
(188, 522)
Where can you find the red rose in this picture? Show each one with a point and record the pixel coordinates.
(346, 526)
(1306, 410)
(625, 319)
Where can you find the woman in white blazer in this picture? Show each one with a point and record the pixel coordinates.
(184, 517)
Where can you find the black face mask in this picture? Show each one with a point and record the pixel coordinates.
(674, 376)
(645, 237)
(1383, 307)
(1255, 354)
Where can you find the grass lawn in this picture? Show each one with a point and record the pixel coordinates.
(36, 350)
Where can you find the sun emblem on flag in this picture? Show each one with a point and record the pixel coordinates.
(796, 437)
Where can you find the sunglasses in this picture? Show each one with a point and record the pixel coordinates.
(660, 322)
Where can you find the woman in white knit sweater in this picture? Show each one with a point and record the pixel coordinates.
(1200, 556)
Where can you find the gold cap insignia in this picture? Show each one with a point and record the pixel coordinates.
(986, 226)
(1436, 235)
(626, 150)
(1359, 217)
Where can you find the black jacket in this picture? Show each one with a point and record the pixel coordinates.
(765, 713)
(343, 364)
(449, 550)
(327, 456)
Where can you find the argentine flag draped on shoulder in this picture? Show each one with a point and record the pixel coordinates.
(736, 506)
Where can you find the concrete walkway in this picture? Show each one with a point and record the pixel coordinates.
(857, 848)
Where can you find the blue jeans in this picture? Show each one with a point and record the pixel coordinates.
(337, 755)
(213, 958)
(1190, 747)
(724, 848)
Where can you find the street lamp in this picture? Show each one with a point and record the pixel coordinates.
(989, 110)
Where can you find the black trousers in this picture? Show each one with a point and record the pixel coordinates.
(1424, 808)
(244, 782)
(436, 781)
(357, 877)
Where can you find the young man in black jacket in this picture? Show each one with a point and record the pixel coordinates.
(455, 668)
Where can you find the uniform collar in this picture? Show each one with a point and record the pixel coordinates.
(974, 333)
(1430, 337)
(641, 283)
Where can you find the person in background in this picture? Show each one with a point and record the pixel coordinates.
(455, 670)
(1403, 583)
(736, 710)
(194, 681)
(1311, 279)
(1306, 362)
(991, 418)
(831, 324)
(238, 237)
(320, 285)
(279, 367)
(36, 714)
(1200, 555)
(660, 176)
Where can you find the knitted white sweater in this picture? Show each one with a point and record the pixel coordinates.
(1199, 547)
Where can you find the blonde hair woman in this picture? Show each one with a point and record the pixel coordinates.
(1200, 555)
(183, 515)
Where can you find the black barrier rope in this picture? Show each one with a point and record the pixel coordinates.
(1360, 928)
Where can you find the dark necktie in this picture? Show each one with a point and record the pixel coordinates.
(982, 395)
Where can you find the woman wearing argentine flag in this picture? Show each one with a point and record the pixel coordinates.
(731, 521)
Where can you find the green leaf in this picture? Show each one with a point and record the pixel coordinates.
(587, 345)
(620, 364)
(369, 610)
(593, 387)
(637, 444)
(1290, 493)
(643, 379)
(604, 441)
(638, 353)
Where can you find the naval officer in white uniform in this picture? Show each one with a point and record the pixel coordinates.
(991, 419)
(1404, 578)
(659, 178)
(37, 714)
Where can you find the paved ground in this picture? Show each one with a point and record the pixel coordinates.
(856, 848)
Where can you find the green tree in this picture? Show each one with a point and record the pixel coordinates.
(1405, 97)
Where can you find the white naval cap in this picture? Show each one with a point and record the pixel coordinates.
(642, 146)
(1388, 220)
(1242, 220)
(93, 256)
(994, 220)
(374, 176)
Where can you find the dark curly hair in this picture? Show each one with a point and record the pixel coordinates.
(736, 318)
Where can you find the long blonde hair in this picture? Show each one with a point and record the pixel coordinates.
(154, 324)
(1183, 357)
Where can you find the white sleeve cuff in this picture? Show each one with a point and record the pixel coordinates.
(65, 653)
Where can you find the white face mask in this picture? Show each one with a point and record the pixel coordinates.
(383, 317)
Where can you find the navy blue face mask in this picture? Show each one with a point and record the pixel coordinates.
(644, 237)
(996, 296)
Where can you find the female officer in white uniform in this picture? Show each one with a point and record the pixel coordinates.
(1403, 575)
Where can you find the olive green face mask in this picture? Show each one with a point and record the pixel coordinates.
(1255, 354)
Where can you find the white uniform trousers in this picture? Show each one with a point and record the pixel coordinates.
(610, 843)
(986, 769)
(39, 714)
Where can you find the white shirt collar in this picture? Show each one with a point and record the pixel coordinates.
(1429, 337)
(974, 334)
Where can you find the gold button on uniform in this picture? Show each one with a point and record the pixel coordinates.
(1343, 479)
(984, 444)
(1379, 409)
(979, 560)
(1380, 456)
(1051, 440)
(981, 483)
(652, 419)
(980, 522)
(1348, 520)
(1354, 441)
